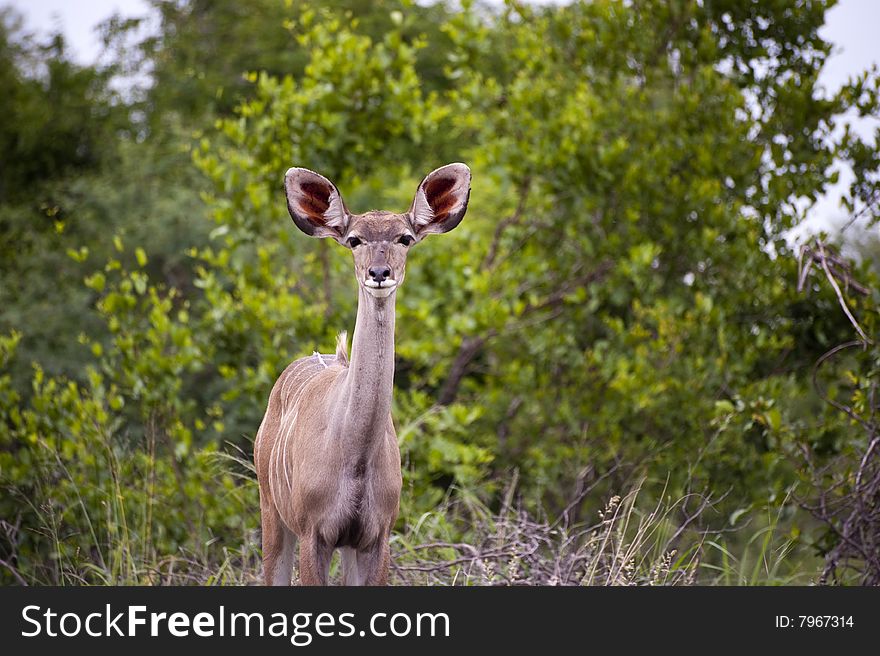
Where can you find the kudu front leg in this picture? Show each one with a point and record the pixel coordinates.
(314, 560)
(372, 566)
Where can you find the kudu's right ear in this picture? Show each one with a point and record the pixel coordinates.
(315, 204)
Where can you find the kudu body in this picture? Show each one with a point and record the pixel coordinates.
(326, 453)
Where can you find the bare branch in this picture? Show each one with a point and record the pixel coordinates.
(821, 392)
(470, 347)
(840, 298)
(504, 224)
(14, 572)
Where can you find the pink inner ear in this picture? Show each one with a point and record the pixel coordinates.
(314, 200)
(438, 193)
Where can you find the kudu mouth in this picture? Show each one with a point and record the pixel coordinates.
(380, 289)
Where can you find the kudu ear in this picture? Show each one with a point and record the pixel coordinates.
(441, 199)
(315, 204)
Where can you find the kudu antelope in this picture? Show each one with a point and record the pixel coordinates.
(326, 452)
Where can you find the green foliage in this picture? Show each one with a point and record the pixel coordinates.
(58, 116)
(620, 304)
(88, 503)
(66, 229)
(198, 73)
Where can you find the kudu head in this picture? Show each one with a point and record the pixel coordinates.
(378, 240)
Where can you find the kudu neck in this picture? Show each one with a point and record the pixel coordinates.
(370, 379)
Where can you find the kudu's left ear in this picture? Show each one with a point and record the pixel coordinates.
(315, 204)
(441, 199)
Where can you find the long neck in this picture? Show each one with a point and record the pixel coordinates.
(365, 399)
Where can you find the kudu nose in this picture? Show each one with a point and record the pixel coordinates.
(379, 273)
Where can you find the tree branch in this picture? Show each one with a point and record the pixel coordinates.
(470, 347)
(513, 219)
(473, 344)
(840, 298)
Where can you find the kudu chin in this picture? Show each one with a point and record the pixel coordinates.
(326, 452)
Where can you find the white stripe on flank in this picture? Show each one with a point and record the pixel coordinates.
(284, 459)
(278, 459)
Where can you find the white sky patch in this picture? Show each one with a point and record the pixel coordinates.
(852, 27)
(77, 20)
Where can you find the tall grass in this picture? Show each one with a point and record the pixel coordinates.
(769, 554)
(108, 515)
(461, 542)
(630, 543)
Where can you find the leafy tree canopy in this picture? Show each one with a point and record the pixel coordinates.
(620, 303)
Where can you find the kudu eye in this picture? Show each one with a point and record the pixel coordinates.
(353, 242)
(406, 240)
